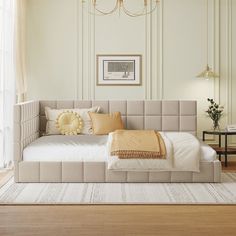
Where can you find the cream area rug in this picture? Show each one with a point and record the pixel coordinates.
(120, 193)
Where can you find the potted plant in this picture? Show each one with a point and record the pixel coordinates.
(215, 112)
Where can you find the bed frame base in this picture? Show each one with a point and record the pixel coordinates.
(97, 172)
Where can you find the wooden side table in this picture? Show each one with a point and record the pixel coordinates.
(226, 150)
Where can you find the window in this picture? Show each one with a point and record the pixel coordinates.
(7, 90)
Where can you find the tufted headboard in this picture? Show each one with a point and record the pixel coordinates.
(158, 115)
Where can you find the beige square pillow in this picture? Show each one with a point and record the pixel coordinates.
(52, 115)
(106, 123)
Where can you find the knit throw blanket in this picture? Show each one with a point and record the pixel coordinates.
(142, 144)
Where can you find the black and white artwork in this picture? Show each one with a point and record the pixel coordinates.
(118, 69)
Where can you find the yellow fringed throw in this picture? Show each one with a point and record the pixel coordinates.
(140, 144)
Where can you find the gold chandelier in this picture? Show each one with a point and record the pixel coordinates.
(148, 7)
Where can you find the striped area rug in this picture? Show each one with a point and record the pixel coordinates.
(120, 193)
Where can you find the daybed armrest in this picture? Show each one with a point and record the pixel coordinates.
(26, 126)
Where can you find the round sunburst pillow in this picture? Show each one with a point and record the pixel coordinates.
(69, 123)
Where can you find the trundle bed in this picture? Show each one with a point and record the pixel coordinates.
(82, 158)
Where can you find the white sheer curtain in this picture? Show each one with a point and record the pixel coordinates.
(7, 88)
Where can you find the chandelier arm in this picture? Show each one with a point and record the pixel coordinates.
(141, 13)
(120, 5)
(153, 9)
(131, 14)
(108, 12)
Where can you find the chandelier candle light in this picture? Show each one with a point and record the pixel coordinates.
(148, 7)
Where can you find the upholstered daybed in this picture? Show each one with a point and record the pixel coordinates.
(59, 158)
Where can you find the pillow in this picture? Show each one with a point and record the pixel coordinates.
(106, 123)
(52, 115)
(69, 123)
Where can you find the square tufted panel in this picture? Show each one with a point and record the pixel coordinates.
(158, 115)
(93, 172)
(120, 106)
(170, 108)
(135, 108)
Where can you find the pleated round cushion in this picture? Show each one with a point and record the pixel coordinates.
(69, 123)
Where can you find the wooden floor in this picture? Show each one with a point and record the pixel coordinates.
(117, 220)
(231, 166)
(112, 220)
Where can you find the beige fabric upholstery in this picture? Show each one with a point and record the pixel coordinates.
(160, 115)
(98, 172)
(26, 126)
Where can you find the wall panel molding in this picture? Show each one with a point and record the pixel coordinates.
(152, 59)
(229, 61)
(161, 77)
(91, 51)
(93, 55)
(153, 73)
(229, 90)
(80, 49)
(213, 43)
(147, 58)
(156, 53)
(86, 51)
(172, 41)
(216, 46)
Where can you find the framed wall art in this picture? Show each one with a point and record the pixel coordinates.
(119, 69)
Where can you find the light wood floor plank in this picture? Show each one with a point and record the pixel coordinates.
(117, 220)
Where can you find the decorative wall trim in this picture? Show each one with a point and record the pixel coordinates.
(86, 51)
(161, 68)
(229, 67)
(153, 73)
(213, 42)
(156, 53)
(216, 46)
(89, 16)
(93, 54)
(80, 50)
(229, 61)
(86, 86)
(148, 57)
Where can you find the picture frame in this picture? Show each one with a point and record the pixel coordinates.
(119, 70)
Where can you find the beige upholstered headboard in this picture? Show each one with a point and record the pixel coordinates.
(158, 115)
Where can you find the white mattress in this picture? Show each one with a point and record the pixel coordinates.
(67, 148)
(81, 148)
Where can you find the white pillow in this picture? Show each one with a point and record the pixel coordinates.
(52, 115)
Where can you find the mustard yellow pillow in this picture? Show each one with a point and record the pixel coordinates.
(106, 123)
(69, 123)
